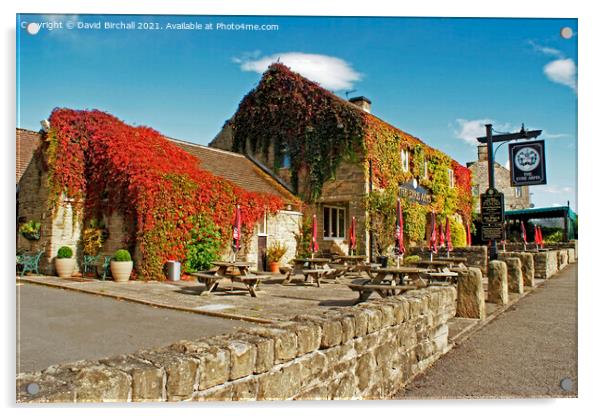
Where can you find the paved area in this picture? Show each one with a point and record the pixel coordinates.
(57, 326)
(525, 352)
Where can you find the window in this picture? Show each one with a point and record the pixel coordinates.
(450, 174)
(475, 190)
(518, 191)
(425, 172)
(405, 160)
(262, 225)
(286, 158)
(334, 222)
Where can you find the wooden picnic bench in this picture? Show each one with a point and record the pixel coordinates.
(317, 268)
(235, 272)
(365, 287)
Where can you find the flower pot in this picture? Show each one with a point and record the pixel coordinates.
(274, 267)
(64, 267)
(121, 270)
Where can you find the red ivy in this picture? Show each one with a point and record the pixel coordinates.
(156, 185)
(464, 185)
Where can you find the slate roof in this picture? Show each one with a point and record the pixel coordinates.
(27, 143)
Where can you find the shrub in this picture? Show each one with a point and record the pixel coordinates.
(122, 255)
(411, 259)
(276, 251)
(30, 230)
(204, 245)
(458, 233)
(64, 253)
(93, 237)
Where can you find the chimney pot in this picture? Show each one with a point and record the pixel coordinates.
(362, 102)
(482, 152)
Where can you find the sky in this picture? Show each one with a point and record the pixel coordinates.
(440, 79)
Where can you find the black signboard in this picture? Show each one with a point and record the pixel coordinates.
(527, 163)
(415, 193)
(492, 215)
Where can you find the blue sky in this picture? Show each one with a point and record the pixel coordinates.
(439, 79)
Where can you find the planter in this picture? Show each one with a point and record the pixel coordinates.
(31, 236)
(273, 267)
(64, 267)
(121, 270)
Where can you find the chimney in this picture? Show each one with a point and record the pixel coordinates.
(362, 102)
(482, 149)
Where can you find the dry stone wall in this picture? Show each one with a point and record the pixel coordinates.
(476, 255)
(367, 351)
(546, 264)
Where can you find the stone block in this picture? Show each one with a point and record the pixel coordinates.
(285, 341)
(148, 381)
(365, 369)
(280, 384)
(180, 369)
(515, 275)
(471, 294)
(571, 255)
(242, 358)
(264, 360)
(527, 265)
(50, 389)
(343, 388)
(497, 288)
(315, 393)
(213, 359)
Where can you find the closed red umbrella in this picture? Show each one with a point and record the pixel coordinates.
(523, 232)
(448, 239)
(399, 247)
(352, 237)
(433, 240)
(236, 230)
(541, 237)
(441, 236)
(468, 235)
(314, 236)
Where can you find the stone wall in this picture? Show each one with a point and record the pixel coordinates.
(57, 230)
(368, 351)
(527, 265)
(546, 264)
(476, 255)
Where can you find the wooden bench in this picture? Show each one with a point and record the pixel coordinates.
(250, 281)
(211, 281)
(315, 274)
(365, 289)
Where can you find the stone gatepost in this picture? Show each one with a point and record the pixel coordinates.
(471, 295)
(515, 275)
(497, 288)
(571, 254)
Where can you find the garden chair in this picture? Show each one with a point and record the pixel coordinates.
(30, 262)
(90, 263)
(106, 267)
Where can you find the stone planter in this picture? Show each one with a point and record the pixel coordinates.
(273, 267)
(121, 270)
(64, 267)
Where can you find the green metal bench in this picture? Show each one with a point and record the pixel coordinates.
(89, 263)
(30, 262)
(106, 267)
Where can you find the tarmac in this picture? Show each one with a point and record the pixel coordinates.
(525, 352)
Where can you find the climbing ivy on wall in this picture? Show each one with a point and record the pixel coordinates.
(104, 165)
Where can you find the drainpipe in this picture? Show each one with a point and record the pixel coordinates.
(371, 233)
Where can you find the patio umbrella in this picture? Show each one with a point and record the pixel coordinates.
(448, 239)
(399, 247)
(433, 240)
(540, 237)
(236, 231)
(468, 235)
(523, 233)
(441, 236)
(313, 246)
(352, 237)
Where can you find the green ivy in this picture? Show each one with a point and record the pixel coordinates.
(203, 247)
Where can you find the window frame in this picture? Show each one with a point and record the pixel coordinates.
(331, 209)
(265, 226)
(405, 160)
(451, 178)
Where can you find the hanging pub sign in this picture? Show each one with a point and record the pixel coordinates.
(527, 163)
(492, 215)
(415, 193)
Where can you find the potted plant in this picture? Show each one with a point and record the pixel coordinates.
(64, 262)
(121, 265)
(274, 253)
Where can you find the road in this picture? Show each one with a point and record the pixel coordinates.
(58, 326)
(525, 352)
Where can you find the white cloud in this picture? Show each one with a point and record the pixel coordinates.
(552, 189)
(546, 50)
(469, 130)
(330, 72)
(562, 71)
(547, 135)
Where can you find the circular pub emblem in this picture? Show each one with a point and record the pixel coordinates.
(527, 159)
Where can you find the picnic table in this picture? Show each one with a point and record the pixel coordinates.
(235, 271)
(388, 281)
(369, 268)
(456, 261)
(440, 271)
(349, 260)
(309, 268)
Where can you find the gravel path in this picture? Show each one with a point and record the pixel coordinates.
(525, 352)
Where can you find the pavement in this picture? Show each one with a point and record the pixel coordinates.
(524, 352)
(58, 326)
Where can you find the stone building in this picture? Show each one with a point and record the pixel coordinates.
(62, 229)
(517, 197)
(303, 122)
